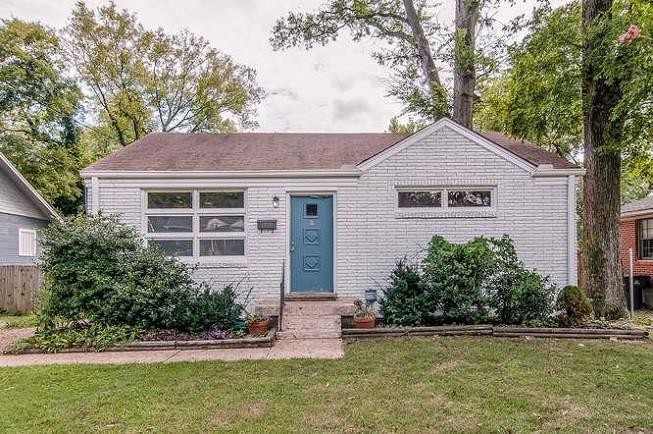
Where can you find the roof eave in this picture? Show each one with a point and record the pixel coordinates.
(547, 170)
(347, 172)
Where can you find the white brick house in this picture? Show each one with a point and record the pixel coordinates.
(346, 206)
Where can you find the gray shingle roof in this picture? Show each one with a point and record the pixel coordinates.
(638, 205)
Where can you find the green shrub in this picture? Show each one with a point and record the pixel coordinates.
(515, 294)
(97, 270)
(454, 274)
(405, 302)
(576, 307)
(80, 335)
(469, 283)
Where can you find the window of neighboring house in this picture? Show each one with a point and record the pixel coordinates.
(26, 242)
(197, 223)
(645, 238)
(455, 197)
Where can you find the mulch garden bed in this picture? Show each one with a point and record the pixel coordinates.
(171, 340)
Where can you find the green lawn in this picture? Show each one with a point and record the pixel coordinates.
(417, 385)
(17, 321)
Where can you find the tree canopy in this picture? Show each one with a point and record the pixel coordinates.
(72, 96)
(38, 107)
(539, 96)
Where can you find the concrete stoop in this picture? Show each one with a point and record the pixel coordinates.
(310, 326)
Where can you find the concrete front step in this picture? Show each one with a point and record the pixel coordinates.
(308, 322)
(342, 306)
(309, 334)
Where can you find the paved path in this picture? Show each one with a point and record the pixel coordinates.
(8, 337)
(285, 349)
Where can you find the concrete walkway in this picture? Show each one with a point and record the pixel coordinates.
(285, 349)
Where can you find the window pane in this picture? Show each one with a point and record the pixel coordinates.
(161, 223)
(647, 249)
(174, 247)
(470, 198)
(222, 247)
(222, 223)
(222, 199)
(311, 210)
(410, 199)
(169, 200)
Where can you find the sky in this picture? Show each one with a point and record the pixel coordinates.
(336, 88)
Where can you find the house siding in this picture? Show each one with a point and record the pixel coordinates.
(14, 201)
(371, 233)
(10, 224)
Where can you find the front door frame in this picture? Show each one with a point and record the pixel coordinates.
(311, 192)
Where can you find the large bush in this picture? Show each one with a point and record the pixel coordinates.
(455, 274)
(405, 303)
(97, 270)
(469, 283)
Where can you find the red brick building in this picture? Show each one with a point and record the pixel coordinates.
(637, 233)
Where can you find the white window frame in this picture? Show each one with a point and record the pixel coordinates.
(444, 198)
(196, 212)
(21, 234)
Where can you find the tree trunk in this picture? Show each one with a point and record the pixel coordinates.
(438, 93)
(464, 79)
(602, 277)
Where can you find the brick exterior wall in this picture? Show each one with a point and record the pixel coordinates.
(628, 229)
(371, 232)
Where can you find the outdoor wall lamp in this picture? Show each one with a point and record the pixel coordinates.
(275, 202)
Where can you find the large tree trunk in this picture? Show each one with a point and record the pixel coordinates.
(464, 78)
(438, 93)
(601, 196)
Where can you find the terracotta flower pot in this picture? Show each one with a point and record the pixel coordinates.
(259, 327)
(364, 323)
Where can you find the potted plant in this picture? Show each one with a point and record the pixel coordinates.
(364, 315)
(257, 324)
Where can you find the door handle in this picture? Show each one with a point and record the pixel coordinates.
(292, 246)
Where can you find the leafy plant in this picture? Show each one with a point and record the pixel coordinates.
(253, 318)
(362, 310)
(97, 270)
(481, 280)
(455, 274)
(576, 307)
(404, 301)
(81, 335)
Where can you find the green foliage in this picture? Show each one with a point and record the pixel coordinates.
(469, 283)
(405, 302)
(539, 98)
(83, 336)
(575, 305)
(455, 274)
(97, 270)
(145, 81)
(38, 106)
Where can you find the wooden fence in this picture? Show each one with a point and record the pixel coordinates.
(20, 286)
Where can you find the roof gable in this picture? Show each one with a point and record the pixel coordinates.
(27, 191)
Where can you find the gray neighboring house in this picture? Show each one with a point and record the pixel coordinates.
(23, 211)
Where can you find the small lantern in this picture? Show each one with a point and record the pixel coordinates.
(275, 202)
(370, 296)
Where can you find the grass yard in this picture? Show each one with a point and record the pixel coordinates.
(416, 385)
(18, 321)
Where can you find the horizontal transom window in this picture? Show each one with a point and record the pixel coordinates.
(456, 197)
(196, 223)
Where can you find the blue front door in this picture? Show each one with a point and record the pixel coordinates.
(311, 244)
